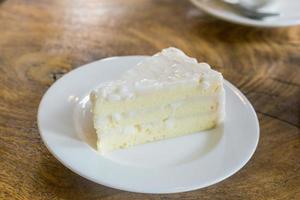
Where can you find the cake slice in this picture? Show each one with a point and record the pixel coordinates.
(163, 96)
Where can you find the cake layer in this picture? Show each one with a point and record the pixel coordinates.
(154, 131)
(163, 112)
(152, 99)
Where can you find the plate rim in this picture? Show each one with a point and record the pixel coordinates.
(252, 23)
(130, 189)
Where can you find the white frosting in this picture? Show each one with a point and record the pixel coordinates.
(166, 68)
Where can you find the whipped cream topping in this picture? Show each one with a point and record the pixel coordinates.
(167, 68)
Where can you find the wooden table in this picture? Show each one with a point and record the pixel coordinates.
(41, 40)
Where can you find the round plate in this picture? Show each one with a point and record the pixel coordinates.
(174, 165)
(288, 9)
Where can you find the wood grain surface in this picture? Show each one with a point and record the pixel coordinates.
(41, 40)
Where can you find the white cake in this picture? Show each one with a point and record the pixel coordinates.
(163, 96)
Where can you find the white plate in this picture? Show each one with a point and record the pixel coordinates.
(288, 9)
(175, 165)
